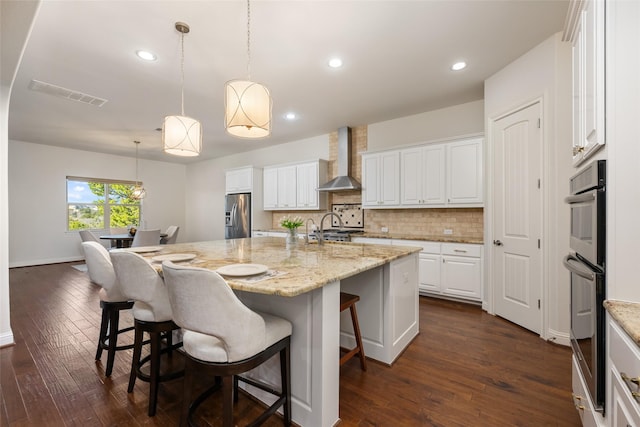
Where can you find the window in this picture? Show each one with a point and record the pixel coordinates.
(100, 204)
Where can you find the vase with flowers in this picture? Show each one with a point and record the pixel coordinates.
(291, 224)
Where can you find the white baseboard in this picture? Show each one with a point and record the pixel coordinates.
(6, 339)
(557, 337)
(44, 261)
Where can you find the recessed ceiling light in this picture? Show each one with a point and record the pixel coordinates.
(335, 63)
(290, 116)
(146, 55)
(459, 66)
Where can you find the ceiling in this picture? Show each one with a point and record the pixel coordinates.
(397, 57)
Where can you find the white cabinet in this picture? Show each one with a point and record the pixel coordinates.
(452, 270)
(308, 176)
(588, 79)
(461, 274)
(294, 187)
(464, 172)
(286, 187)
(239, 180)
(381, 179)
(624, 371)
(270, 181)
(422, 180)
(426, 176)
(580, 397)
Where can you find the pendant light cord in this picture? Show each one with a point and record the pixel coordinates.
(249, 39)
(182, 70)
(137, 143)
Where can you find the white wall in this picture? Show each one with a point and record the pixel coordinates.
(459, 120)
(37, 198)
(16, 20)
(544, 72)
(205, 192)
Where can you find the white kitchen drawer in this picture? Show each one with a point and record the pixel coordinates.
(625, 360)
(462, 249)
(427, 247)
(581, 397)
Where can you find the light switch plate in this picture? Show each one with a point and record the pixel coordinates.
(448, 231)
(385, 229)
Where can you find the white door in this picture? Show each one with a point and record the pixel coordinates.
(517, 217)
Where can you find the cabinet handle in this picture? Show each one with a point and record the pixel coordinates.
(460, 250)
(577, 150)
(578, 399)
(631, 383)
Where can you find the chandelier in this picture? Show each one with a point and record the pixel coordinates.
(138, 192)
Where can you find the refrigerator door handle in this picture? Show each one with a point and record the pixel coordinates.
(233, 215)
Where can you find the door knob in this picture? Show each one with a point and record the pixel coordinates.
(497, 242)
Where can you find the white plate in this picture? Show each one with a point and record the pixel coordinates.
(144, 249)
(242, 269)
(173, 257)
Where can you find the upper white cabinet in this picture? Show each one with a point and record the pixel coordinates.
(381, 179)
(294, 187)
(239, 180)
(464, 172)
(422, 180)
(588, 78)
(431, 175)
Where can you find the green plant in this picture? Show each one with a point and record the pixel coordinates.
(291, 223)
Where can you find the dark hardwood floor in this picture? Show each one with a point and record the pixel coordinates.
(466, 368)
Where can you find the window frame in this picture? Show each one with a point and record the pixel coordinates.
(106, 204)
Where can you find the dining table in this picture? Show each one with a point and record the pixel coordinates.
(122, 240)
(302, 284)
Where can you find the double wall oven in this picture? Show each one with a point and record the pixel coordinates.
(586, 263)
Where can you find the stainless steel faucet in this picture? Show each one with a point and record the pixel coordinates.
(306, 230)
(320, 234)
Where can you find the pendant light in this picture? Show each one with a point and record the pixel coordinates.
(182, 135)
(138, 192)
(247, 104)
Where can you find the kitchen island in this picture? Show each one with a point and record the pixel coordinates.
(304, 287)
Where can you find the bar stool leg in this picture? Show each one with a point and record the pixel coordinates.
(356, 331)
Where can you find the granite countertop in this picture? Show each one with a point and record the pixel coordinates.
(429, 238)
(305, 268)
(627, 314)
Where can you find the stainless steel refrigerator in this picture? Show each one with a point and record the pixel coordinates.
(237, 212)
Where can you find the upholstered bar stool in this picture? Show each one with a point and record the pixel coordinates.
(152, 314)
(112, 301)
(349, 301)
(228, 338)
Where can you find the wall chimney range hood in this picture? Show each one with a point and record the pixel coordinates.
(343, 181)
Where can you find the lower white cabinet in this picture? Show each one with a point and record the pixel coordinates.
(624, 375)
(445, 269)
(581, 397)
(461, 273)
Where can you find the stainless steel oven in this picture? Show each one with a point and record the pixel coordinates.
(588, 211)
(586, 263)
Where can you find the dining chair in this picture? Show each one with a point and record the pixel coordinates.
(152, 314)
(171, 235)
(88, 236)
(227, 339)
(112, 301)
(146, 238)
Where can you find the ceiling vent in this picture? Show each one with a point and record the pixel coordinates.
(61, 92)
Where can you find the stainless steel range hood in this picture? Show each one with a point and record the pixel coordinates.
(343, 181)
